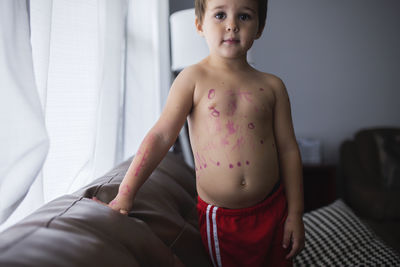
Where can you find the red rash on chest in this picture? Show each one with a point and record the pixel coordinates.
(214, 112)
(230, 126)
(211, 93)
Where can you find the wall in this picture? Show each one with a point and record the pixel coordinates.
(340, 61)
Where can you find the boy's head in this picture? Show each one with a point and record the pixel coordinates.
(200, 9)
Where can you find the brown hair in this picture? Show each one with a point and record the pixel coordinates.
(200, 9)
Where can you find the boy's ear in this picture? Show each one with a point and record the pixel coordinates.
(260, 30)
(199, 27)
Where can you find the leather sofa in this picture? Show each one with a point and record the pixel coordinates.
(74, 230)
(370, 180)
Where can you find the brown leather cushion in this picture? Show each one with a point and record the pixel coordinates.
(76, 231)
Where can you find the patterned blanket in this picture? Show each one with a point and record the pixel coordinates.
(335, 236)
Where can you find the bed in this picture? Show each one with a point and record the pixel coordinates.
(335, 236)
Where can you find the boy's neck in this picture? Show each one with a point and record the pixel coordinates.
(229, 64)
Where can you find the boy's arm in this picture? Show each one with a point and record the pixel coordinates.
(157, 142)
(290, 169)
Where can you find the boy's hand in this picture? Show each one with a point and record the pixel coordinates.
(293, 236)
(121, 204)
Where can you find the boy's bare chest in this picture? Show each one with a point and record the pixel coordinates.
(235, 100)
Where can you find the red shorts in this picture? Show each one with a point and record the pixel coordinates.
(248, 236)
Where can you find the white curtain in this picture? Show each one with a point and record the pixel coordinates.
(23, 137)
(97, 95)
(148, 75)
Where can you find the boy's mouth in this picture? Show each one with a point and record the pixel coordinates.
(231, 41)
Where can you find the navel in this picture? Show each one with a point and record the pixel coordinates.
(243, 183)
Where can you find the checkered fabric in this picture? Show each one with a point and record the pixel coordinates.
(336, 237)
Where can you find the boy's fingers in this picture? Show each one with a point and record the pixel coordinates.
(123, 212)
(293, 251)
(286, 239)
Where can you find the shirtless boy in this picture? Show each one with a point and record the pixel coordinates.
(248, 167)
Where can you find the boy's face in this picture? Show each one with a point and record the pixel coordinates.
(230, 26)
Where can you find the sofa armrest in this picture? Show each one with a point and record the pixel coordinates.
(362, 192)
(76, 231)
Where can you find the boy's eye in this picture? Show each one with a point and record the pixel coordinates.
(220, 15)
(244, 16)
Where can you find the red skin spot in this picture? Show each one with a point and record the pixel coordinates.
(200, 160)
(213, 162)
(148, 140)
(142, 163)
(224, 141)
(239, 142)
(243, 95)
(125, 190)
(231, 166)
(218, 126)
(247, 162)
(251, 126)
(211, 93)
(232, 108)
(113, 203)
(214, 112)
(261, 89)
(239, 164)
(231, 127)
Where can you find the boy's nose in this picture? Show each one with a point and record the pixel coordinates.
(232, 26)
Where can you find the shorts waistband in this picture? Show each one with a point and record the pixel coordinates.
(275, 195)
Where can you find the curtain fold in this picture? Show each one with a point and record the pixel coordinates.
(24, 140)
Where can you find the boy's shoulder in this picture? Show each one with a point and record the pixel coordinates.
(191, 74)
(272, 81)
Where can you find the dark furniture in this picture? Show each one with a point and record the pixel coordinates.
(74, 230)
(319, 186)
(370, 180)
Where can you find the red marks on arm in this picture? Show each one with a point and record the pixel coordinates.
(113, 203)
(143, 153)
(125, 190)
(251, 126)
(142, 162)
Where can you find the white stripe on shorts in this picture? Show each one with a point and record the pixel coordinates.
(209, 234)
(216, 243)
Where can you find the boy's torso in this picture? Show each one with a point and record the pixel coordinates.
(232, 137)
